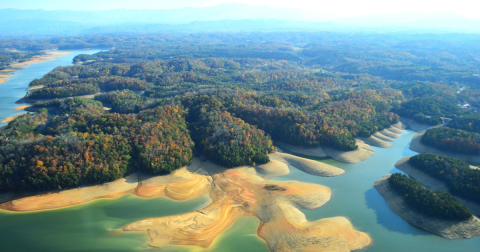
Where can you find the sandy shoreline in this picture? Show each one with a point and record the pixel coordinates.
(6, 73)
(7, 120)
(433, 183)
(380, 139)
(235, 193)
(417, 146)
(22, 107)
(445, 228)
(415, 126)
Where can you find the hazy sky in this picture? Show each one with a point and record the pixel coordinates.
(335, 8)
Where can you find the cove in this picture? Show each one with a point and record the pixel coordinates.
(14, 88)
(354, 197)
(96, 226)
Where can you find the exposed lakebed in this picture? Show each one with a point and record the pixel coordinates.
(96, 226)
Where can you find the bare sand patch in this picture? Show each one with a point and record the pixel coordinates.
(234, 193)
(7, 120)
(383, 137)
(434, 184)
(35, 87)
(415, 126)
(374, 141)
(363, 152)
(312, 151)
(380, 139)
(22, 107)
(273, 168)
(448, 229)
(307, 165)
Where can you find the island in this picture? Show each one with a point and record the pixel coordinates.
(431, 214)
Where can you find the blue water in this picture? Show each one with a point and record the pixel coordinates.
(95, 226)
(14, 89)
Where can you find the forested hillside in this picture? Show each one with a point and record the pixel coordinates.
(454, 140)
(460, 178)
(435, 203)
(227, 96)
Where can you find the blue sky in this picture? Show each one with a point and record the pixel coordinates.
(336, 8)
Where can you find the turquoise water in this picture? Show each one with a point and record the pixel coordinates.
(96, 226)
(14, 89)
(354, 197)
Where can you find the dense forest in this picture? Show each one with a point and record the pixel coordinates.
(468, 123)
(435, 203)
(8, 57)
(228, 95)
(453, 140)
(460, 178)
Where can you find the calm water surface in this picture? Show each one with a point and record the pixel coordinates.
(96, 226)
(14, 89)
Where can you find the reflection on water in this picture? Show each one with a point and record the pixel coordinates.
(96, 226)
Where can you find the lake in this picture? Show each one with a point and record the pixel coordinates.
(96, 226)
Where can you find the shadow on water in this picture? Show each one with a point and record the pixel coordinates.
(388, 219)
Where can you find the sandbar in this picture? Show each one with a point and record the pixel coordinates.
(415, 126)
(306, 151)
(307, 165)
(234, 193)
(17, 66)
(380, 139)
(22, 107)
(448, 229)
(7, 120)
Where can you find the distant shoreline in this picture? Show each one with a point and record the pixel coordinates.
(8, 72)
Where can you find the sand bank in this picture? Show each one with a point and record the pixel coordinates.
(234, 193)
(35, 87)
(433, 183)
(415, 126)
(22, 107)
(448, 229)
(307, 165)
(380, 139)
(273, 168)
(7, 72)
(7, 120)
(306, 151)
(417, 146)
(239, 192)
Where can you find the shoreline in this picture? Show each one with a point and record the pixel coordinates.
(6, 73)
(380, 139)
(417, 146)
(234, 193)
(9, 119)
(448, 229)
(415, 126)
(434, 184)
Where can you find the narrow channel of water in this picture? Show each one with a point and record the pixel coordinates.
(14, 89)
(95, 226)
(354, 197)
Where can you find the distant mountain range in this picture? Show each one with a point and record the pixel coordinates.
(223, 17)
